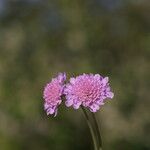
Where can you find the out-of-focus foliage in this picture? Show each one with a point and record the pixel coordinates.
(39, 38)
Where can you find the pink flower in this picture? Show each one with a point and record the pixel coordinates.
(52, 94)
(88, 90)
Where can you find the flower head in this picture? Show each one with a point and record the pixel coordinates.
(88, 90)
(52, 94)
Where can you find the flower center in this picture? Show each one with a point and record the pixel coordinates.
(87, 90)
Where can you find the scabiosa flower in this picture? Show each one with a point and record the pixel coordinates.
(88, 90)
(52, 94)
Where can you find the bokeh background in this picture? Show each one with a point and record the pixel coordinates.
(39, 38)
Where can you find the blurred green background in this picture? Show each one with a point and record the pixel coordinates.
(39, 38)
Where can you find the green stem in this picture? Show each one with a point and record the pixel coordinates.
(97, 131)
(93, 126)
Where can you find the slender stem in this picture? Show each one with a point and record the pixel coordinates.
(98, 132)
(91, 129)
(93, 126)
